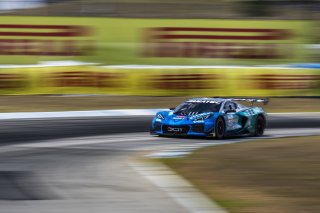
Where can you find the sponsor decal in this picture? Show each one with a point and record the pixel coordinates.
(204, 101)
(179, 117)
(230, 117)
(198, 121)
(197, 42)
(45, 40)
(174, 129)
(232, 122)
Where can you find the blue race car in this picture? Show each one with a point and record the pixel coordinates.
(211, 117)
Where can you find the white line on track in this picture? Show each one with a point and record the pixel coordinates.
(133, 66)
(56, 143)
(117, 113)
(79, 114)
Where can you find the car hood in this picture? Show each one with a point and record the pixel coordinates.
(176, 118)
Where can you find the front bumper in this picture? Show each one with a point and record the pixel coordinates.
(201, 129)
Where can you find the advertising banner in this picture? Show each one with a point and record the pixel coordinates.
(28, 40)
(197, 82)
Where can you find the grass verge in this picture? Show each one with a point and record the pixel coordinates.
(275, 175)
(34, 103)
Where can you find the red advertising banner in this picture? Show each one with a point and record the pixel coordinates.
(196, 42)
(45, 40)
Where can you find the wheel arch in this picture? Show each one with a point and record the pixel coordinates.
(262, 115)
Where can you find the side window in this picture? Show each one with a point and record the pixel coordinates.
(230, 106)
(234, 106)
(227, 106)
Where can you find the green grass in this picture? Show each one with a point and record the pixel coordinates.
(274, 175)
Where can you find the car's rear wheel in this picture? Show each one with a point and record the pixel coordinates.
(219, 128)
(260, 125)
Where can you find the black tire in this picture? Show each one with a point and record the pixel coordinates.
(259, 126)
(219, 128)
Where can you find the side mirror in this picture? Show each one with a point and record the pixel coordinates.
(172, 108)
(230, 111)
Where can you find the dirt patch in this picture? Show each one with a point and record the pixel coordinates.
(277, 175)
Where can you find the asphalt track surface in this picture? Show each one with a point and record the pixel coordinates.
(92, 174)
(58, 165)
(24, 130)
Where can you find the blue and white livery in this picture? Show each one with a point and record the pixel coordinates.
(215, 117)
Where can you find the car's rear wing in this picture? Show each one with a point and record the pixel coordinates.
(251, 100)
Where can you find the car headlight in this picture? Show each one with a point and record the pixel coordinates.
(160, 116)
(203, 117)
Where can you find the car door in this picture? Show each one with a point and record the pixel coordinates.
(233, 120)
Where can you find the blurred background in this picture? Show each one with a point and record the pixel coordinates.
(158, 48)
(214, 47)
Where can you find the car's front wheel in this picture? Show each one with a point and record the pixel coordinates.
(219, 128)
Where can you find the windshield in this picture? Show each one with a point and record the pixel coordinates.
(194, 108)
